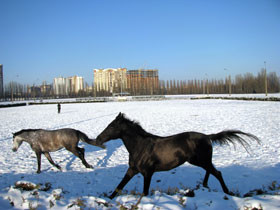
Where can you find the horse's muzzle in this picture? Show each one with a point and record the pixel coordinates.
(14, 149)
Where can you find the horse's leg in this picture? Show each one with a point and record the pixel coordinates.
(80, 153)
(205, 161)
(38, 154)
(211, 169)
(205, 180)
(147, 182)
(129, 174)
(82, 157)
(51, 161)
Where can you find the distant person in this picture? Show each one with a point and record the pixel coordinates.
(58, 108)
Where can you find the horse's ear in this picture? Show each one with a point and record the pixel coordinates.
(120, 115)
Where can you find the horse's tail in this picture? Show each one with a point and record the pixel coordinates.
(83, 137)
(233, 136)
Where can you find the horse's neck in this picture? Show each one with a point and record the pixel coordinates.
(135, 143)
(27, 139)
(135, 138)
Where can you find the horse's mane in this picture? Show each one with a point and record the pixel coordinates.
(24, 130)
(138, 128)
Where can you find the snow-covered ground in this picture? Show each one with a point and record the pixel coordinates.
(77, 187)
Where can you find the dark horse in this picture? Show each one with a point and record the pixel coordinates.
(149, 153)
(45, 141)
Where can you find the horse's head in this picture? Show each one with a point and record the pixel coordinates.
(112, 131)
(17, 141)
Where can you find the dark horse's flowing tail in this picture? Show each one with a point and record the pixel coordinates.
(232, 136)
(86, 139)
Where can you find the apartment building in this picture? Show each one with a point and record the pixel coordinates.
(110, 80)
(75, 84)
(59, 86)
(68, 86)
(140, 82)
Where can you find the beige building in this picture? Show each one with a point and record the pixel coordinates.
(59, 86)
(68, 86)
(75, 84)
(110, 80)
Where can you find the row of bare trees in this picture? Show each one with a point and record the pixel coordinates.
(247, 83)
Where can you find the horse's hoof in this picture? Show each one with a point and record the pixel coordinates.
(89, 166)
(231, 193)
(190, 193)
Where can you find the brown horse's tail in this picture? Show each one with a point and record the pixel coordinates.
(83, 137)
(233, 136)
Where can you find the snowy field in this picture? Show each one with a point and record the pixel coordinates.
(76, 187)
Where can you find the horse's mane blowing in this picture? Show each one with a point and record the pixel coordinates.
(137, 127)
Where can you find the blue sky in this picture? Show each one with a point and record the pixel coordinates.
(184, 39)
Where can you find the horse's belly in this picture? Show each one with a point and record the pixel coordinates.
(168, 164)
(166, 167)
(169, 158)
(50, 147)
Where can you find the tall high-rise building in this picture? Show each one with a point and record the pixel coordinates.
(1, 82)
(110, 80)
(68, 86)
(59, 86)
(143, 81)
(75, 84)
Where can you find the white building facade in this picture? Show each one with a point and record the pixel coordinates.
(76, 84)
(68, 86)
(59, 86)
(110, 80)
